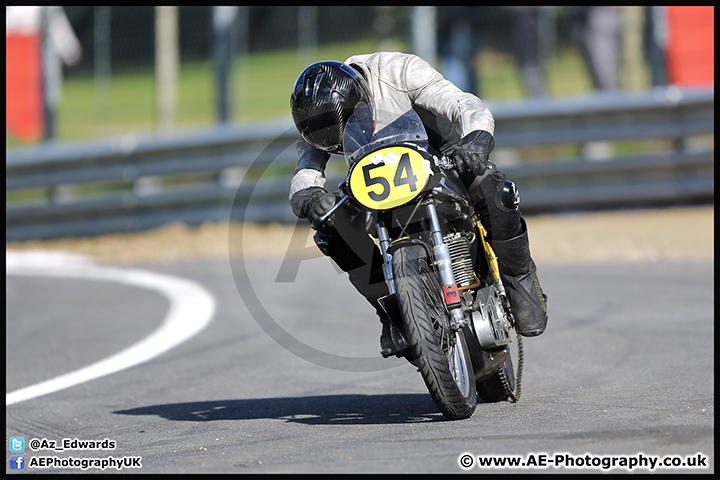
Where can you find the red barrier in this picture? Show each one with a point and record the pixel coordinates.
(23, 87)
(691, 45)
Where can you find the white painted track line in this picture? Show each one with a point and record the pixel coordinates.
(191, 310)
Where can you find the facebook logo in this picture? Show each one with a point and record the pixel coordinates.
(17, 444)
(17, 462)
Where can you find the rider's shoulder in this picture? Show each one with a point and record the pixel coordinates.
(405, 70)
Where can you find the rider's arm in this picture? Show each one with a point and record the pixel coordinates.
(309, 176)
(472, 118)
(427, 88)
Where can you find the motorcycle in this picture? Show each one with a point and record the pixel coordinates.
(447, 300)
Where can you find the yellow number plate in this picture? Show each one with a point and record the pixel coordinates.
(389, 177)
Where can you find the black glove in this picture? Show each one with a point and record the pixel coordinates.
(472, 153)
(312, 203)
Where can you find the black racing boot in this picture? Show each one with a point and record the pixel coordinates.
(391, 340)
(518, 273)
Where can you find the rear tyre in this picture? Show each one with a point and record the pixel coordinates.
(493, 389)
(441, 354)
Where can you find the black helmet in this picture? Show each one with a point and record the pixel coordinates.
(324, 97)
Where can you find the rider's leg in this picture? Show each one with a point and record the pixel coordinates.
(496, 202)
(350, 247)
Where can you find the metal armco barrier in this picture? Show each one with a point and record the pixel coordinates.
(242, 172)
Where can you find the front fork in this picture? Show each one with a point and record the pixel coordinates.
(384, 239)
(443, 262)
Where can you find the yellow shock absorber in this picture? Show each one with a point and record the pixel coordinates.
(489, 253)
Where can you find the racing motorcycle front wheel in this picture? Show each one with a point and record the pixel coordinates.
(441, 354)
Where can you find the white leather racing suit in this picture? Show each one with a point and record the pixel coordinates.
(410, 79)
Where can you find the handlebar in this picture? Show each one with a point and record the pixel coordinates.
(444, 162)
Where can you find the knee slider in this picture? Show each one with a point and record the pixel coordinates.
(510, 197)
(323, 242)
(335, 247)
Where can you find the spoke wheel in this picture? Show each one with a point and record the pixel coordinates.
(441, 353)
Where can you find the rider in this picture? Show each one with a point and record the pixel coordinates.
(324, 97)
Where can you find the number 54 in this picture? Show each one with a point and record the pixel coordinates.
(404, 175)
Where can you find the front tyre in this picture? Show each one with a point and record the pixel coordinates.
(441, 354)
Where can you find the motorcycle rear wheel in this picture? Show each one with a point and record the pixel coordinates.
(494, 389)
(441, 354)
